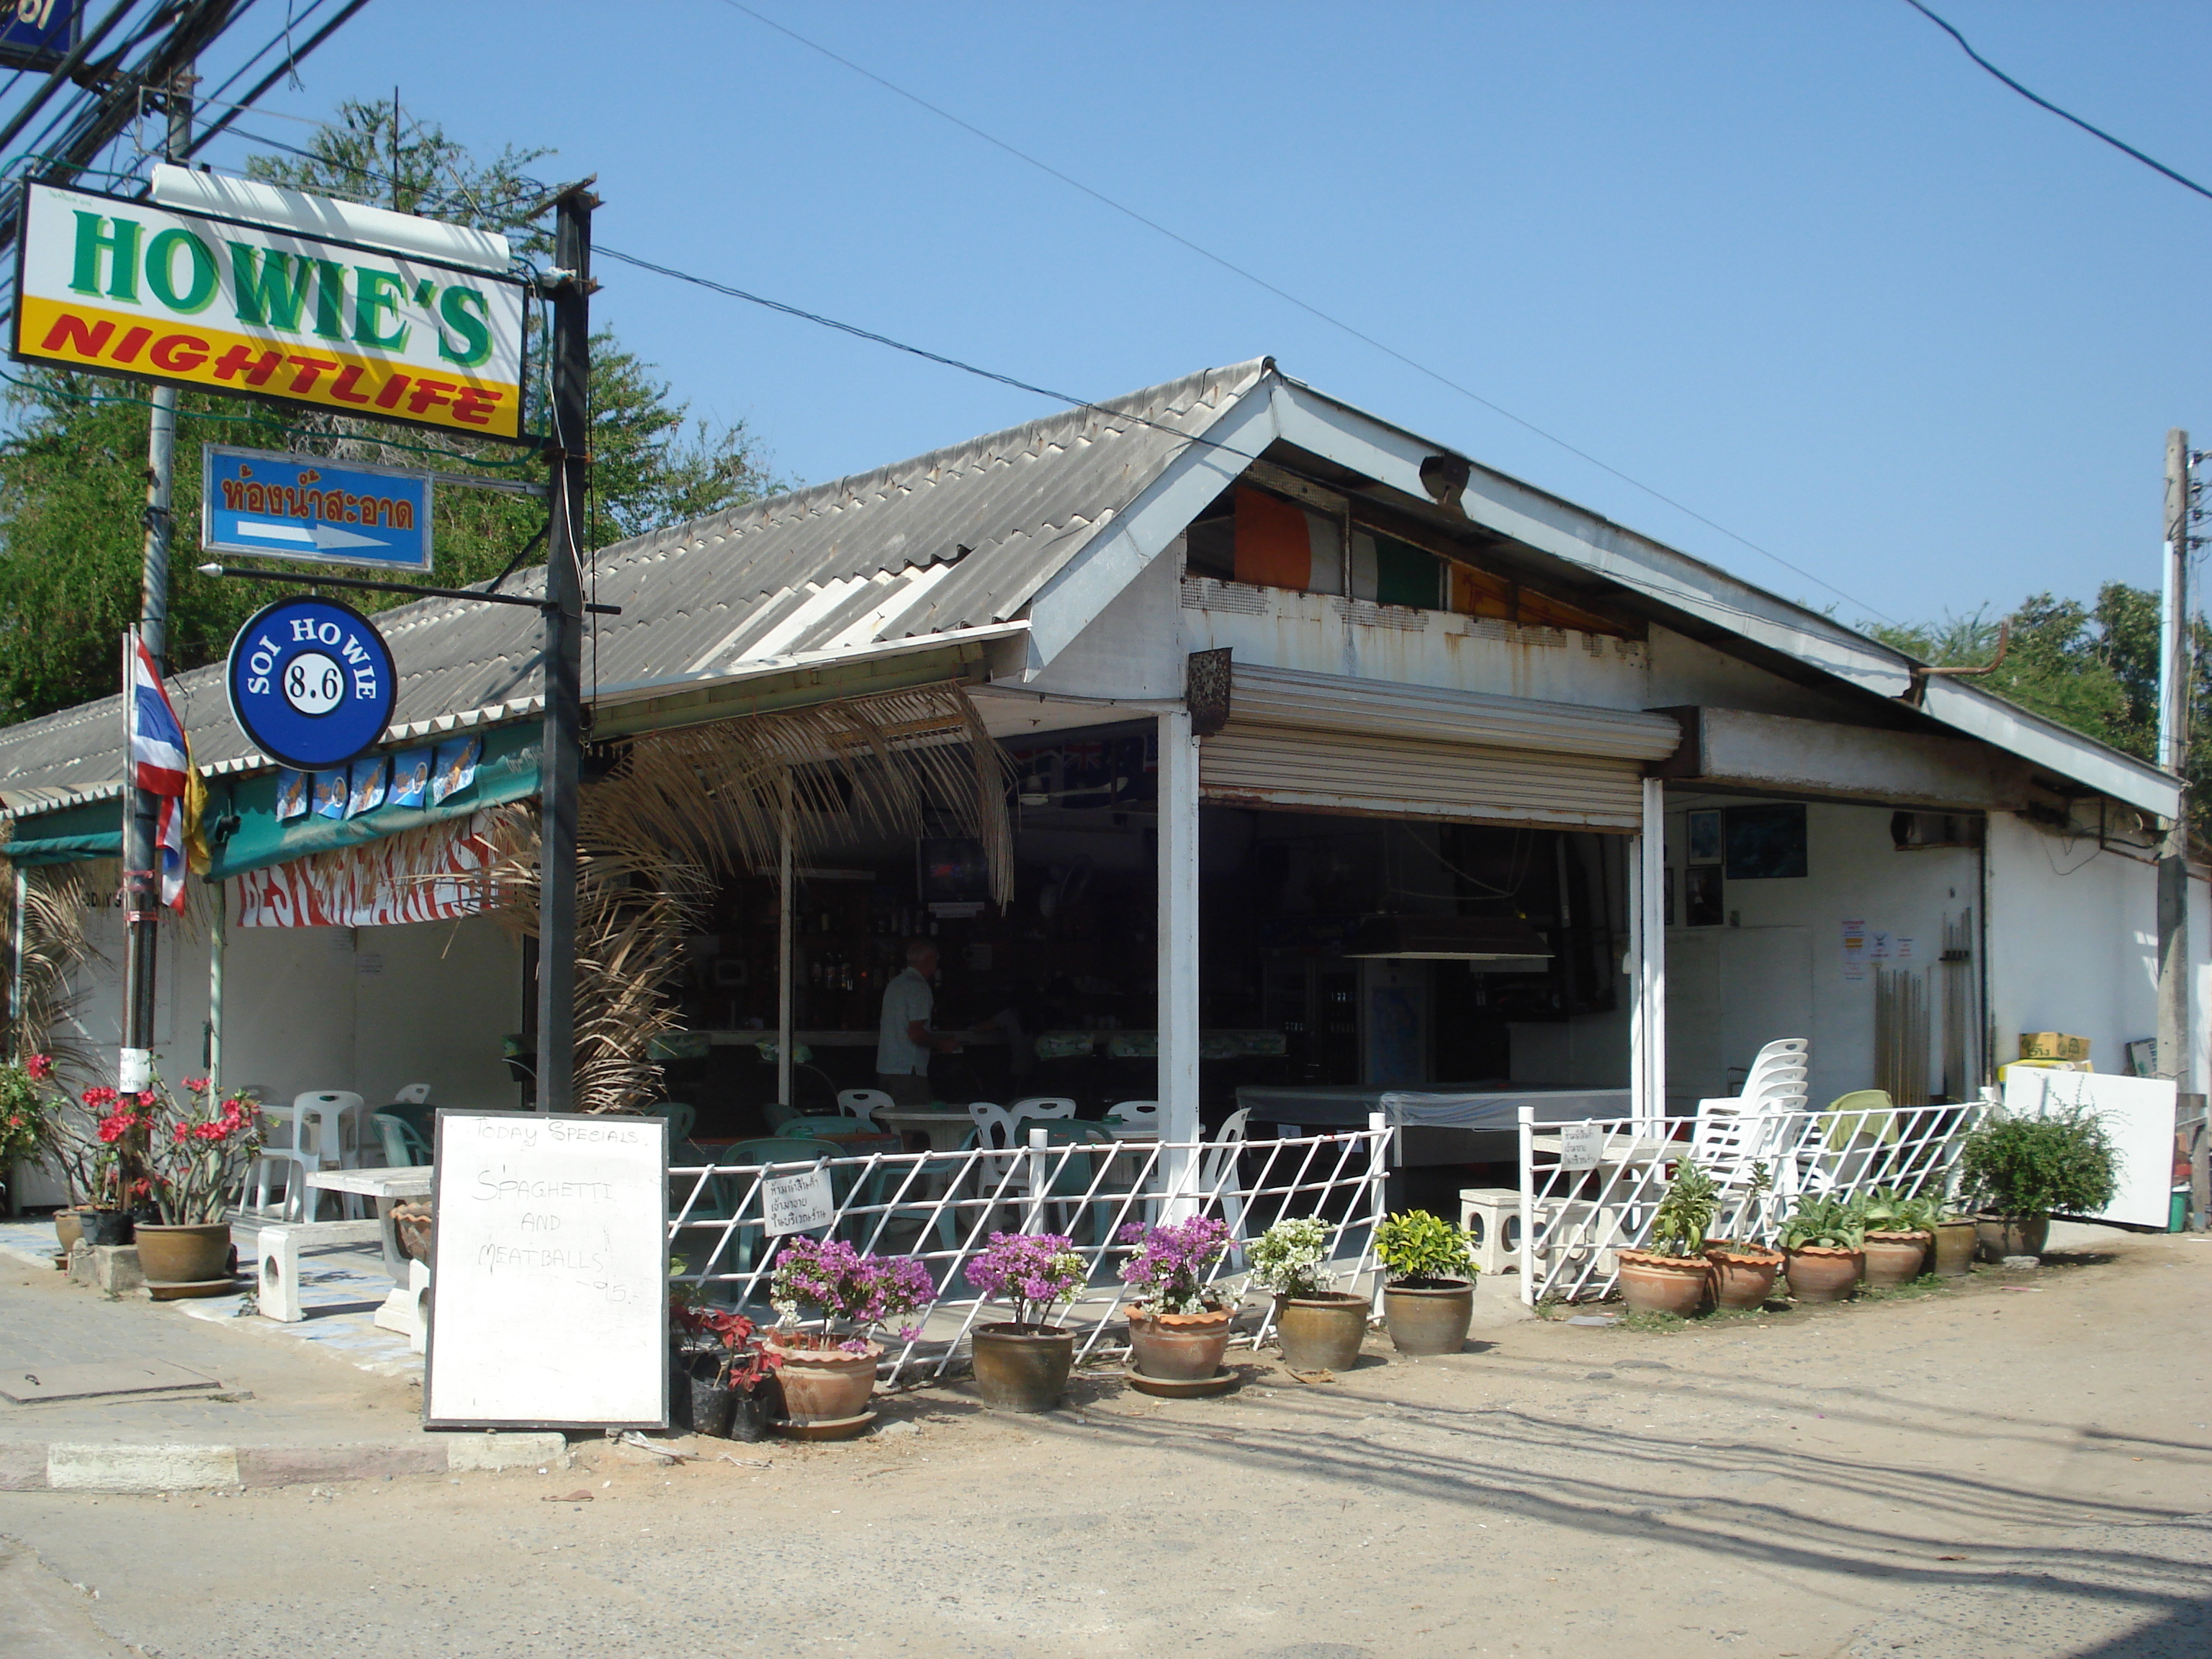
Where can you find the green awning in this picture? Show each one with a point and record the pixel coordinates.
(507, 772)
(93, 831)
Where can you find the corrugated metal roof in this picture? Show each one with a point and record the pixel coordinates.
(960, 537)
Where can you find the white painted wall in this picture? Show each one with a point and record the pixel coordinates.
(1853, 871)
(369, 1009)
(2074, 945)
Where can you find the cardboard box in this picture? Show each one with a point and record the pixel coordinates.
(2052, 1045)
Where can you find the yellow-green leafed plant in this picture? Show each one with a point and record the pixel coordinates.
(1419, 1249)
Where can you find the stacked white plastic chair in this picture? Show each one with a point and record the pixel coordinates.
(1735, 1134)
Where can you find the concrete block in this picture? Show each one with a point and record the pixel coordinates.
(300, 1466)
(406, 1311)
(504, 1451)
(140, 1468)
(111, 1269)
(22, 1468)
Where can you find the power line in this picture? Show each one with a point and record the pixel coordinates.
(1289, 298)
(2044, 103)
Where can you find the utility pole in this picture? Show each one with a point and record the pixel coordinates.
(2175, 1051)
(141, 887)
(569, 448)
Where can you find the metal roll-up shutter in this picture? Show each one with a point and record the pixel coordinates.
(1324, 744)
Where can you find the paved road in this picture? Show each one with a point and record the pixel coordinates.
(1988, 1474)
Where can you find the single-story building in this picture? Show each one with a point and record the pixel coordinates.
(1332, 760)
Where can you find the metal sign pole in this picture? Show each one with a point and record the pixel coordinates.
(141, 887)
(568, 449)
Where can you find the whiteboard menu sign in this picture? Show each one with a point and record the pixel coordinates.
(550, 1285)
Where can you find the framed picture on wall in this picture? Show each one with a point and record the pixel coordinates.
(1766, 843)
(1701, 897)
(1704, 837)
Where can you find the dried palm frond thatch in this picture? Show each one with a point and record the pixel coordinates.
(716, 797)
(686, 809)
(56, 953)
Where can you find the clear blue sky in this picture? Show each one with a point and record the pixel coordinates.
(1802, 267)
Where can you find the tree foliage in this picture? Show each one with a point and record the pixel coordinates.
(2092, 667)
(73, 470)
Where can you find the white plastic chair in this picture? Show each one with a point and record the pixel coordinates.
(1041, 1106)
(1136, 1114)
(863, 1104)
(320, 1138)
(414, 1094)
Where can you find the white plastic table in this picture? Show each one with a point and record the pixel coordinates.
(387, 1186)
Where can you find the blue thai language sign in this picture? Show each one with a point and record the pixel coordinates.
(311, 683)
(303, 507)
(37, 34)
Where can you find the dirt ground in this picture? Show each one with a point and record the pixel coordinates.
(2018, 1469)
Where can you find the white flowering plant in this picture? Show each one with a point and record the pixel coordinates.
(1292, 1258)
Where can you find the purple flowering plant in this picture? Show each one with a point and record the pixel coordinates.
(1168, 1269)
(848, 1287)
(1030, 1270)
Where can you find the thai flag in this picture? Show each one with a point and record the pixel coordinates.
(157, 757)
(169, 838)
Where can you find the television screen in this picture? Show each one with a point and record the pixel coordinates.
(952, 871)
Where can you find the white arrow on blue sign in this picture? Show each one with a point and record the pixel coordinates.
(303, 506)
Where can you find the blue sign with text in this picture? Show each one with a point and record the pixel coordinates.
(303, 507)
(311, 683)
(37, 34)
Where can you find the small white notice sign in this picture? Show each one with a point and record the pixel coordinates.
(1580, 1145)
(551, 1283)
(797, 1204)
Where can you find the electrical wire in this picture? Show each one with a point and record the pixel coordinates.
(1311, 309)
(2042, 102)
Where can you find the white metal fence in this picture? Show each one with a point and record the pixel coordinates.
(1590, 1190)
(942, 1207)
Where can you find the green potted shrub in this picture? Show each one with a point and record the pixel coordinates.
(1825, 1241)
(2021, 1172)
(198, 1150)
(1745, 1269)
(1900, 1228)
(1318, 1326)
(1429, 1303)
(1670, 1274)
(1022, 1365)
(726, 1373)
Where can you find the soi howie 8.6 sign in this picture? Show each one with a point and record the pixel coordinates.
(126, 287)
(311, 683)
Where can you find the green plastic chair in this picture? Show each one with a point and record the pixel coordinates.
(403, 1144)
(682, 1118)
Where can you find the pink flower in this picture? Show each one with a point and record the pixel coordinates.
(199, 1085)
(146, 1099)
(99, 1095)
(41, 1066)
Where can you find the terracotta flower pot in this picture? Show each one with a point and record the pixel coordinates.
(1893, 1259)
(1954, 1248)
(1322, 1332)
(1818, 1272)
(1178, 1347)
(1677, 1285)
(824, 1385)
(2002, 1236)
(1743, 1274)
(1429, 1318)
(415, 1228)
(67, 1231)
(184, 1255)
(1022, 1368)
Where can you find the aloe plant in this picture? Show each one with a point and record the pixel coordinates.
(1828, 1223)
(1889, 1211)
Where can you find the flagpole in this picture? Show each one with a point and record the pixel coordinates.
(141, 892)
